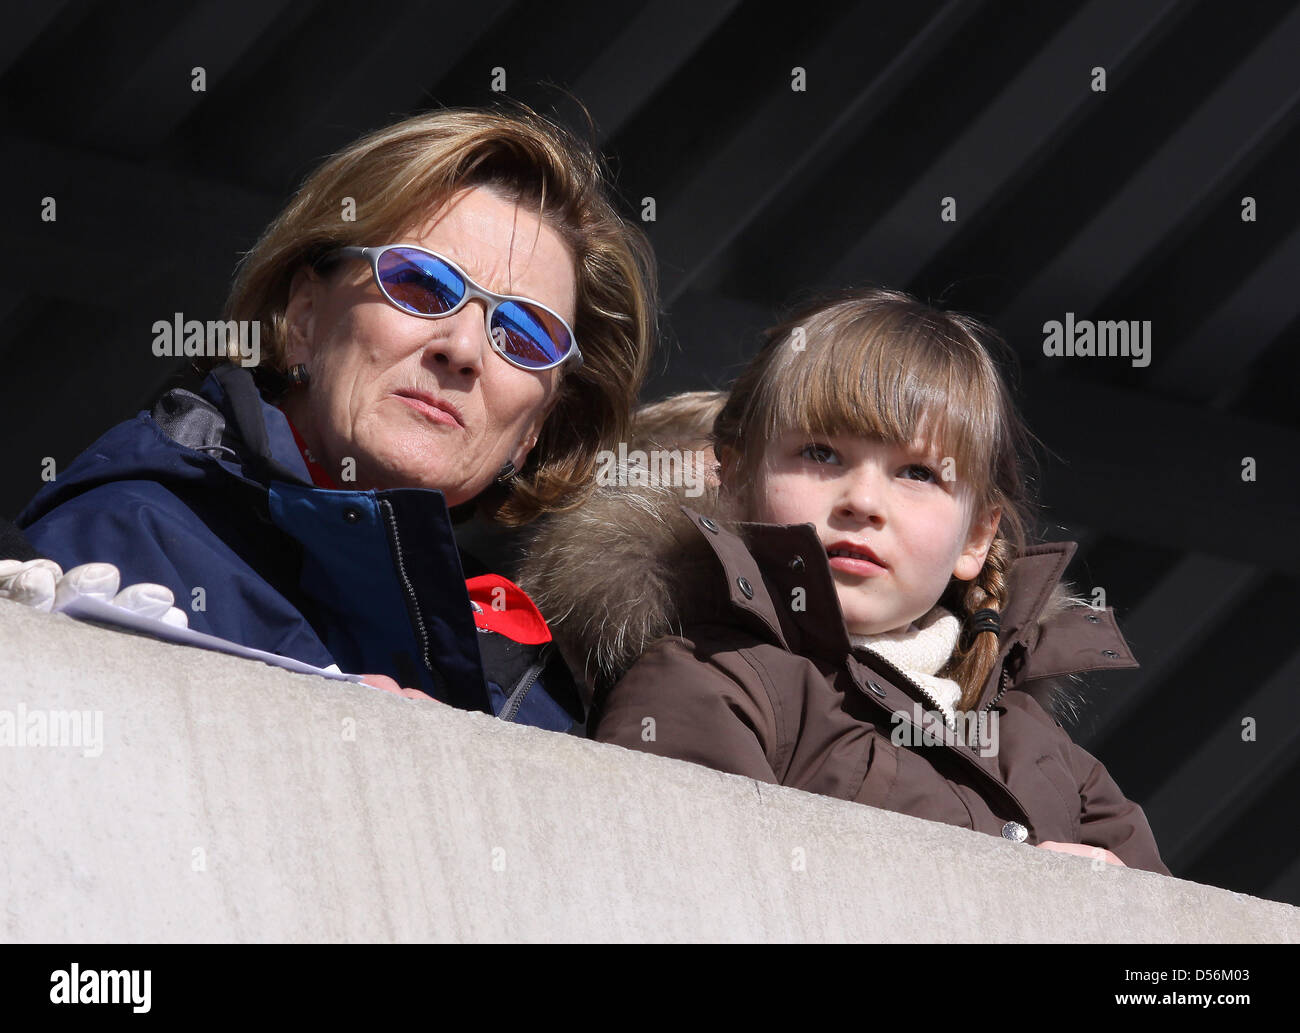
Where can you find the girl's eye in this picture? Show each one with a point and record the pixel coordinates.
(821, 454)
(930, 474)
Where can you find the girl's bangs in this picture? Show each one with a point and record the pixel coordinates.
(904, 385)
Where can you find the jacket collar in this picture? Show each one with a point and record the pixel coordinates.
(1033, 576)
(763, 563)
(258, 431)
(226, 426)
(633, 564)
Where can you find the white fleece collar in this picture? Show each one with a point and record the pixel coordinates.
(919, 650)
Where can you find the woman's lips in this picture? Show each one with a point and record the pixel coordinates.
(435, 410)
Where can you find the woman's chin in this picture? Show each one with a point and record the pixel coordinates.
(406, 475)
(409, 459)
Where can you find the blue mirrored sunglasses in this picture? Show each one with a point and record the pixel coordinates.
(423, 283)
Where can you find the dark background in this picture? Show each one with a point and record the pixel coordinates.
(1117, 205)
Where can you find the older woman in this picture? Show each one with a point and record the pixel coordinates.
(452, 314)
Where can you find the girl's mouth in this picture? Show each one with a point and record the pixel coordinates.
(854, 559)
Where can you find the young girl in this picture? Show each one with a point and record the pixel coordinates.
(856, 611)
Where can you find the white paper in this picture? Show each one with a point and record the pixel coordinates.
(87, 608)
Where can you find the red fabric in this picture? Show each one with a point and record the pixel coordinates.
(505, 608)
(319, 476)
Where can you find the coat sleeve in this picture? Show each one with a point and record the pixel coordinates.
(150, 535)
(1109, 819)
(675, 704)
(13, 545)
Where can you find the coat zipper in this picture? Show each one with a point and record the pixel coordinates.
(1006, 680)
(968, 757)
(521, 690)
(915, 684)
(412, 605)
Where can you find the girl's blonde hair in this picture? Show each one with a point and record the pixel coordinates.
(881, 364)
(683, 420)
(396, 177)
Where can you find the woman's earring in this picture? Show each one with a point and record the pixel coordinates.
(506, 473)
(299, 376)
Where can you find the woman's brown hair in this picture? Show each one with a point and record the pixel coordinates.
(393, 179)
(884, 365)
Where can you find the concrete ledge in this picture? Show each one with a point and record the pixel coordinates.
(237, 802)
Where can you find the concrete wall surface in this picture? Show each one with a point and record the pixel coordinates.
(230, 801)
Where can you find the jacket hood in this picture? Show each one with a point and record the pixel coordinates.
(633, 564)
(188, 438)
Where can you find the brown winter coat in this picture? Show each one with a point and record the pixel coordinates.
(677, 618)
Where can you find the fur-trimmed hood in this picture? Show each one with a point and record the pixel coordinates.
(636, 563)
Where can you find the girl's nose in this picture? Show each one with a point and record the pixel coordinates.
(861, 497)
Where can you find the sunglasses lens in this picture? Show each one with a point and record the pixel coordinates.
(531, 336)
(419, 282)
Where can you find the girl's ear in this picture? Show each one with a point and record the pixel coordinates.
(978, 543)
(728, 462)
(729, 468)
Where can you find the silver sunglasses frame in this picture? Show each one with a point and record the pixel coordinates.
(472, 290)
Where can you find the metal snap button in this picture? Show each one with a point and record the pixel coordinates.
(796, 563)
(876, 689)
(745, 587)
(1093, 619)
(352, 515)
(1109, 652)
(708, 525)
(1015, 832)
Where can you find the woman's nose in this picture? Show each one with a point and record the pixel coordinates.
(461, 340)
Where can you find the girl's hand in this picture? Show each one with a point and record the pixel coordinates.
(382, 681)
(1083, 850)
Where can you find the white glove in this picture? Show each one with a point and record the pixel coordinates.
(42, 585)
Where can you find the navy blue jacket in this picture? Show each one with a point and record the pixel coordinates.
(209, 495)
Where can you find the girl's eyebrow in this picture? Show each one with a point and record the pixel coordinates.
(930, 449)
(926, 447)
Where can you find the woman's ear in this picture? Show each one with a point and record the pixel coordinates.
(534, 429)
(300, 315)
(522, 451)
(978, 543)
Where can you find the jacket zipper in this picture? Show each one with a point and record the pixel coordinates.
(916, 685)
(412, 606)
(1006, 680)
(521, 690)
(968, 757)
